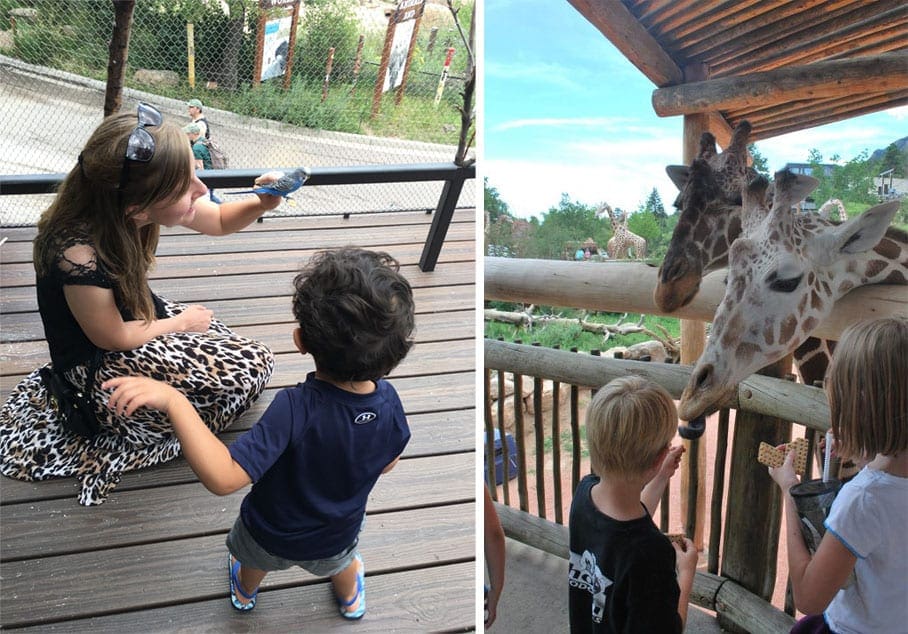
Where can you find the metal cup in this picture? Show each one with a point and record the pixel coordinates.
(813, 499)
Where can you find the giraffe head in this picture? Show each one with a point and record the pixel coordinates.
(709, 202)
(784, 277)
(617, 220)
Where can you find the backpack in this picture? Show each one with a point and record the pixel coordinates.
(218, 155)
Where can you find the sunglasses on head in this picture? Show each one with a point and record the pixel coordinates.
(140, 146)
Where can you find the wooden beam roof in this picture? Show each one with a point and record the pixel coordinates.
(784, 65)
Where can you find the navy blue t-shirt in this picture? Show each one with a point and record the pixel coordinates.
(313, 458)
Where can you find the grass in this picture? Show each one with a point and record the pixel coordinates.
(571, 336)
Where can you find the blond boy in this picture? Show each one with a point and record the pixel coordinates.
(622, 571)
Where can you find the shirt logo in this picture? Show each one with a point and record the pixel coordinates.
(365, 417)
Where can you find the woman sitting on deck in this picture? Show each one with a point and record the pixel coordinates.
(95, 245)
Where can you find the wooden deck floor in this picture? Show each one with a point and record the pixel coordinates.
(152, 557)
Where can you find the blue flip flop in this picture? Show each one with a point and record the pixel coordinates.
(233, 566)
(358, 613)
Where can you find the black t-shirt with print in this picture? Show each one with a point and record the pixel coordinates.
(621, 574)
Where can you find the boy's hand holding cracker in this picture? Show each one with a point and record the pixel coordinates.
(686, 554)
(671, 462)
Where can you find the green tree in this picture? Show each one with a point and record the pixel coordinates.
(894, 159)
(654, 206)
(760, 164)
(647, 226)
(568, 223)
(327, 24)
(492, 203)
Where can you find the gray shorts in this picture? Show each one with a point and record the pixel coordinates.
(246, 550)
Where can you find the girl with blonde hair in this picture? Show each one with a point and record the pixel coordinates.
(95, 245)
(867, 387)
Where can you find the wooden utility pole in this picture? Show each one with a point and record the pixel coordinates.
(693, 340)
(118, 52)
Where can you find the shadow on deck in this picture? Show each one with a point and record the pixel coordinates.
(152, 557)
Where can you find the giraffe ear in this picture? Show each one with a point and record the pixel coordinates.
(864, 232)
(678, 174)
(790, 189)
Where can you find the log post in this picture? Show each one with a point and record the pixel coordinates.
(693, 340)
(753, 515)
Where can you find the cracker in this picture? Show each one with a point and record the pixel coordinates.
(772, 457)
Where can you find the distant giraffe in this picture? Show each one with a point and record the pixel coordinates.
(826, 210)
(784, 277)
(623, 239)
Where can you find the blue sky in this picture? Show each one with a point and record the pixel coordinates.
(562, 111)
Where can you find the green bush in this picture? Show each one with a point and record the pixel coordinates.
(327, 24)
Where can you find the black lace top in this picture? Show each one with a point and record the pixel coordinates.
(74, 262)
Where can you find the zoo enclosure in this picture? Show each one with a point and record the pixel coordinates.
(53, 94)
(739, 584)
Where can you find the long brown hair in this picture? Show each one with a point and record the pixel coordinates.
(868, 389)
(90, 196)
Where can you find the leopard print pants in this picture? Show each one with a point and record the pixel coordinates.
(221, 373)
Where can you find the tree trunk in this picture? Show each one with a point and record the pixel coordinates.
(118, 52)
(228, 70)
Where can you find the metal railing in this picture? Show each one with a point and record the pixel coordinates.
(453, 177)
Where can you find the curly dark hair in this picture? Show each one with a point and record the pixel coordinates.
(355, 313)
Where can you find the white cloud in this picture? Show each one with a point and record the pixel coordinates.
(899, 113)
(557, 122)
(531, 188)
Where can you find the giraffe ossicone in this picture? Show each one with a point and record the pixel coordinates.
(784, 278)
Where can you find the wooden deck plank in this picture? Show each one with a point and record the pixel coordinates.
(23, 273)
(206, 288)
(25, 326)
(272, 242)
(151, 558)
(421, 600)
(193, 569)
(420, 394)
(296, 223)
(185, 510)
(291, 366)
(432, 434)
(21, 357)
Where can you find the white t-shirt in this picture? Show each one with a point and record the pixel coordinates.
(870, 518)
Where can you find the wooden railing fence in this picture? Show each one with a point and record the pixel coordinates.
(581, 375)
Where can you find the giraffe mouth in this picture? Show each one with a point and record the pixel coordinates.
(704, 393)
(671, 297)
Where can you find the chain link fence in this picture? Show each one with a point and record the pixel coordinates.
(273, 97)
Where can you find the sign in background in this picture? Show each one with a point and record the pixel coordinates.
(276, 40)
(403, 26)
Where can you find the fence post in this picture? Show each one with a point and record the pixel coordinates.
(754, 512)
(450, 194)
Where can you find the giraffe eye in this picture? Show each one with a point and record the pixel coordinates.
(783, 285)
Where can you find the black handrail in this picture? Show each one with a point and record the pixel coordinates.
(453, 175)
